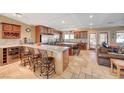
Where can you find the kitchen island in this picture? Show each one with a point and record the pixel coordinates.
(71, 45)
(59, 53)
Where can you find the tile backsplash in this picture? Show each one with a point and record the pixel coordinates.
(9, 41)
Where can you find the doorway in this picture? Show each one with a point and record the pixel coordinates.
(92, 41)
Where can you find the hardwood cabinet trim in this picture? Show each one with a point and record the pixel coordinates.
(13, 33)
(16, 28)
(5, 28)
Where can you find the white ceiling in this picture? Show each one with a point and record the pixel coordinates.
(72, 20)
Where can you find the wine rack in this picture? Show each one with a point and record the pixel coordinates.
(9, 55)
(13, 35)
(13, 52)
(4, 55)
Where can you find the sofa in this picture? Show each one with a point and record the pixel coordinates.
(105, 54)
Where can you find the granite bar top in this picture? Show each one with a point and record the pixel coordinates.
(44, 47)
(68, 43)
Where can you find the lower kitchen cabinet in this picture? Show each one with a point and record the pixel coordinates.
(83, 46)
(9, 55)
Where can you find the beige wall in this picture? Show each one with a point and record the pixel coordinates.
(111, 34)
(110, 30)
(23, 27)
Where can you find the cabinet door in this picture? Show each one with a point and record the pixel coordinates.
(85, 34)
(79, 35)
(6, 27)
(65, 60)
(46, 30)
(16, 28)
(51, 31)
(75, 35)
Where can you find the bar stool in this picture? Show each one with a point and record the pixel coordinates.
(79, 48)
(48, 65)
(33, 57)
(24, 55)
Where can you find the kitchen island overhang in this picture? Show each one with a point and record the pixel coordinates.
(60, 54)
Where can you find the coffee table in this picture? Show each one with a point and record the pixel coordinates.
(119, 64)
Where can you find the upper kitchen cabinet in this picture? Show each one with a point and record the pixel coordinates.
(47, 30)
(80, 34)
(11, 31)
(83, 34)
(16, 28)
(77, 35)
(44, 31)
(51, 31)
(6, 27)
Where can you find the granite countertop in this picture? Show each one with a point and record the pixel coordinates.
(44, 47)
(68, 43)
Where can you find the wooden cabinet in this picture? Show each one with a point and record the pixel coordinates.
(6, 27)
(47, 30)
(77, 35)
(9, 55)
(16, 28)
(83, 46)
(71, 52)
(65, 60)
(37, 35)
(83, 34)
(3, 56)
(52, 31)
(40, 30)
(11, 31)
(80, 34)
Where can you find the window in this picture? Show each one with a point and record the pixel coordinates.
(103, 37)
(69, 36)
(56, 36)
(120, 37)
(66, 36)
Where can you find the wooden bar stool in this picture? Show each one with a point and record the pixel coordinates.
(34, 58)
(48, 65)
(24, 55)
(79, 48)
(119, 64)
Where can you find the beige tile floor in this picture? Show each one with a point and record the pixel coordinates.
(83, 66)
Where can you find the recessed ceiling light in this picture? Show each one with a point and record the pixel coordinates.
(63, 21)
(91, 16)
(17, 14)
(91, 24)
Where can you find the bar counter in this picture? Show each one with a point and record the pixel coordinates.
(60, 54)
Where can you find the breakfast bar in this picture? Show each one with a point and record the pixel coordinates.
(70, 45)
(59, 53)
